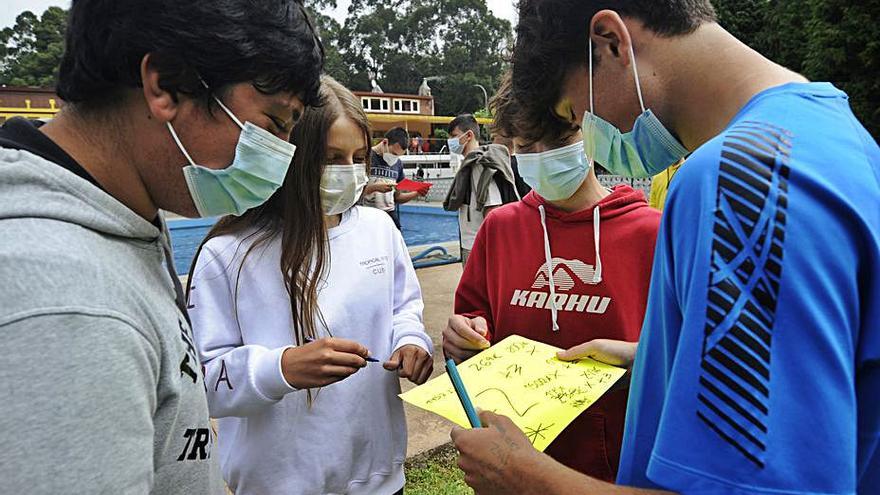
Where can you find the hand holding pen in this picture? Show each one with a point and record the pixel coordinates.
(322, 362)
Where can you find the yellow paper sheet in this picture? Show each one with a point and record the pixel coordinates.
(521, 379)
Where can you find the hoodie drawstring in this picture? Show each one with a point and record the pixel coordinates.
(597, 272)
(553, 309)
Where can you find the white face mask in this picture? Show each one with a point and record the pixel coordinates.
(341, 187)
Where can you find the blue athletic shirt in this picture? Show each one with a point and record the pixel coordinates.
(758, 369)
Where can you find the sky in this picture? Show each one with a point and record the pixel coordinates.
(501, 8)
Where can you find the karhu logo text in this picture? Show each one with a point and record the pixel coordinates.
(567, 274)
(564, 302)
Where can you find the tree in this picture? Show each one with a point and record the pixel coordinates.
(825, 40)
(844, 47)
(458, 43)
(30, 51)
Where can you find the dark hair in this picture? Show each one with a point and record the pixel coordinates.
(551, 39)
(271, 44)
(398, 136)
(465, 122)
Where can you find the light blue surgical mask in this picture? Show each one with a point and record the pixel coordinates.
(555, 174)
(258, 169)
(643, 152)
(455, 146)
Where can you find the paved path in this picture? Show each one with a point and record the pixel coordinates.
(427, 430)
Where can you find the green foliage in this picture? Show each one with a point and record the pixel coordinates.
(31, 50)
(454, 43)
(825, 40)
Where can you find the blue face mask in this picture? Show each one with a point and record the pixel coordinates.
(556, 174)
(257, 171)
(454, 144)
(643, 152)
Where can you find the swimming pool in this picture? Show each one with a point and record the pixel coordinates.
(422, 226)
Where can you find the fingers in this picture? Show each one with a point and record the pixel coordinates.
(480, 326)
(579, 351)
(347, 346)
(613, 352)
(454, 353)
(427, 369)
(408, 361)
(393, 362)
(339, 372)
(455, 434)
(460, 333)
(344, 359)
(490, 418)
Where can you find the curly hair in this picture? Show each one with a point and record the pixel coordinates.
(551, 40)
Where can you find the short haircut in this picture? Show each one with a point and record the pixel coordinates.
(269, 44)
(551, 40)
(398, 136)
(506, 123)
(465, 122)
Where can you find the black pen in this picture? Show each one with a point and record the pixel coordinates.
(368, 358)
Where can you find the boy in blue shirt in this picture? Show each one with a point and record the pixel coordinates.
(758, 369)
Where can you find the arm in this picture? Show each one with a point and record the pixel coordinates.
(402, 197)
(240, 379)
(499, 459)
(412, 347)
(243, 378)
(469, 330)
(79, 396)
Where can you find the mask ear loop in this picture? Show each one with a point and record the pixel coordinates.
(592, 120)
(632, 56)
(179, 144)
(224, 107)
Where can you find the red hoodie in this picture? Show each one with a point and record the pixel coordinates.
(506, 281)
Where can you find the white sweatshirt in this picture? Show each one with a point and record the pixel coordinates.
(353, 439)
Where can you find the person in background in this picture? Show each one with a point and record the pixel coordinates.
(177, 106)
(660, 185)
(536, 271)
(503, 100)
(289, 301)
(521, 187)
(386, 170)
(484, 180)
(758, 366)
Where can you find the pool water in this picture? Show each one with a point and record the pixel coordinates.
(422, 225)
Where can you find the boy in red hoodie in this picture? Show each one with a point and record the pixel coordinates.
(570, 266)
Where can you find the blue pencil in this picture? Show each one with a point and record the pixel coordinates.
(463, 397)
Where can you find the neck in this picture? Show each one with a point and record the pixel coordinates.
(95, 146)
(710, 76)
(470, 147)
(590, 193)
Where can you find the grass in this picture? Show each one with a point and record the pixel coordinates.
(434, 473)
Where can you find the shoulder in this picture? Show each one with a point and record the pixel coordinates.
(372, 219)
(225, 253)
(508, 215)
